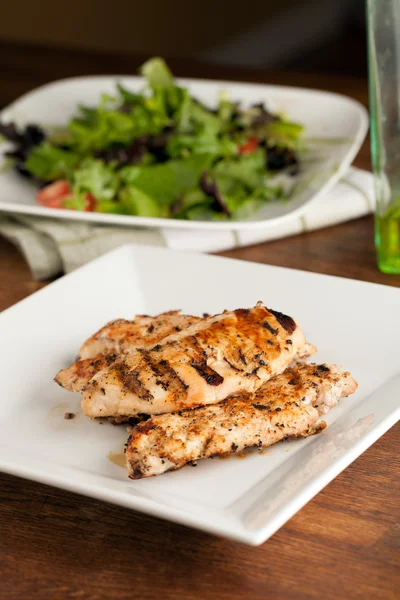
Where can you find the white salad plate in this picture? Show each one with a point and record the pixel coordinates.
(246, 500)
(335, 127)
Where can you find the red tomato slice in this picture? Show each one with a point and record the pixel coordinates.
(53, 194)
(90, 202)
(250, 146)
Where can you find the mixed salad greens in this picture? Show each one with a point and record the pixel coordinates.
(159, 153)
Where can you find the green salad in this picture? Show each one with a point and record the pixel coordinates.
(159, 152)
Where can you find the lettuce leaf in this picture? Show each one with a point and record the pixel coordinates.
(157, 73)
(206, 142)
(97, 178)
(184, 114)
(136, 202)
(127, 96)
(100, 128)
(167, 181)
(49, 162)
(96, 129)
(112, 207)
(247, 169)
(247, 208)
(192, 198)
(283, 133)
(255, 201)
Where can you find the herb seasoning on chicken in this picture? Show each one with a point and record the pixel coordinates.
(287, 406)
(219, 356)
(116, 338)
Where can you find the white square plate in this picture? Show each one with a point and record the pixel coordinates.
(335, 127)
(352, 323)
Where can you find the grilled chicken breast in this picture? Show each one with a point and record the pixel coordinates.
(227, 354)
(119, 337)
(75, 377)
(287, 406)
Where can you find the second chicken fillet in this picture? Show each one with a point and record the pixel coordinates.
(230, 353)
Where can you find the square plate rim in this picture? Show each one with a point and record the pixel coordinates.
(179, 515)
(156, 222)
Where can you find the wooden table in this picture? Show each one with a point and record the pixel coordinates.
(342, 545)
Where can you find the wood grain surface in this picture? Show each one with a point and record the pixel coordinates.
(344, 544)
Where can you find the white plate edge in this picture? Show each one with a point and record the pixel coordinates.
(155, 222)
(312, 488)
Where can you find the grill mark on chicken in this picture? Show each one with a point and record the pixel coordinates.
(159, 374)
(242, 357)
(232, 366)
(200, 358)
(171, 349)
(74, 377)
(130, 381)
(260, 327)
(253, 325)
(160, 378)
(167, 377)
(284, 320)
(275, 412)
(120, 336)
(211, 376)
(271, 329)
(103, 359)
(195, 349)
(232, 338)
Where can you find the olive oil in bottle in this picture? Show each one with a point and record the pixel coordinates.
(387, 239)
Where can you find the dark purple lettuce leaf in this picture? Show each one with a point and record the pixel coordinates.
(24, 140)
(263, 117)
(210, 188)
(133, 154)
(124, 155)
(282, 158)
(10, 132)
